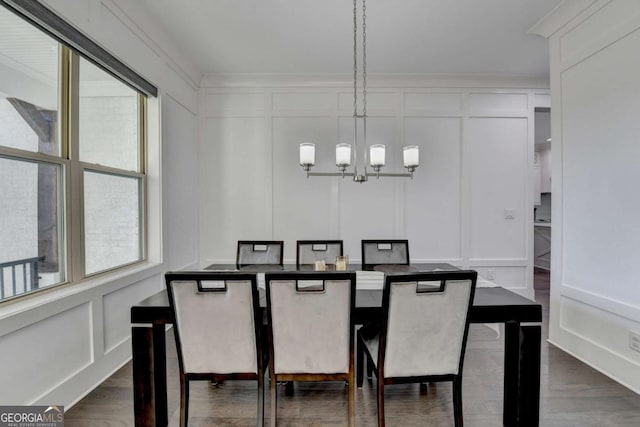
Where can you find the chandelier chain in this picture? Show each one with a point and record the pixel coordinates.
(364, 58)
(355, 58)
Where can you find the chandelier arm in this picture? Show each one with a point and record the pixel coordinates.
(331, 174)
(391, 175)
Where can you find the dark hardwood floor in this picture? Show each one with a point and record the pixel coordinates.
(572, 394)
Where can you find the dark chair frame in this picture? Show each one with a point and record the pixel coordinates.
(316, 242)
(199, 276)
(369, 266)
(349, 376)
(259, 242)
(362, 350)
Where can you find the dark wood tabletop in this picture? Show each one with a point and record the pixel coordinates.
(490, 305)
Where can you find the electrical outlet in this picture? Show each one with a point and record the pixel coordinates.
(634, 341)
(509, 213)
(491, 275)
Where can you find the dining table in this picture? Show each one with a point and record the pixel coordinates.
(492, 304)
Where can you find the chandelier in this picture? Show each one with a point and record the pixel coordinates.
(375, 156)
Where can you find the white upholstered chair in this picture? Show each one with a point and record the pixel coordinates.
(423, 334)
(311, 324)
(217, 321)
(384, 252)
(310, 251)
(259, 252)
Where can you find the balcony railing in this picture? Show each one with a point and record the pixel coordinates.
(27, 269)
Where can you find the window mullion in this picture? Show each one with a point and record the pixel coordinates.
(142, 134)
(75, 217)
(109, 170)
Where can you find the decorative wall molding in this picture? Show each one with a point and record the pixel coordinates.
(265, 122)
(580, 42)
(602, 302)
(374, 80)
(561, 15)
(170, 53)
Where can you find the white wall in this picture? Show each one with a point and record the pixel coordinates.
(476, 160)
(55, 347)
(595, 297)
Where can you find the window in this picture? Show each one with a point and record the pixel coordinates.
(72, 140)
(110, 152)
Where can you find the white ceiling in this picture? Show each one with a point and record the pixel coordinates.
(315, 36)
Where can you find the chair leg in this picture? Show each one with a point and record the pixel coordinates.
(274, 400)
(369, 369)
(359, 360)
(260, 399)
(380, 402)
(457, 401)
(352, 400)
(288, 388)
(184, 401)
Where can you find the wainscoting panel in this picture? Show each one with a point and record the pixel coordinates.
(301, 206)
(116, 312)
(509, 277)
(498, 153)
(376, 101)
(312, 101)
(235, 184)
(42, 355)
(498, 104)
(434, 196)
(433, 103)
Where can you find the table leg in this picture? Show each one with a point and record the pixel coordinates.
(529, 399)
(511, 374)
(160, 374)
(149, 375)
(521, 375)
(142, 365)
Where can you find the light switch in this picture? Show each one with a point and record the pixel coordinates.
(509, 213)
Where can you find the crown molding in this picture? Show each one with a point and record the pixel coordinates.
(560, 16)
(251, 80)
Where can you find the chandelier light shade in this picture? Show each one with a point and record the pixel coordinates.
(377, 152)
(411, 156)
(343, 155)
(376, 155)
(307, 155)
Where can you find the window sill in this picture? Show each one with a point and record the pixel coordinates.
(116, 279)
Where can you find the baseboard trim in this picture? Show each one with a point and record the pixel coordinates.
(613, 377)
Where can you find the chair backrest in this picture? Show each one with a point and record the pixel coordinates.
(310, 251)
(425, 323)
(311, 321)
(217, 321)
(381, 252)
(268, 252)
